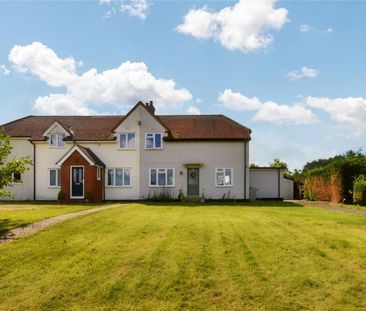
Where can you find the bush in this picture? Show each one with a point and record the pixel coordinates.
(160, 195)
(61, 197)
(359, 190)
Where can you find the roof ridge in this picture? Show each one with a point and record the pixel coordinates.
(11, 122)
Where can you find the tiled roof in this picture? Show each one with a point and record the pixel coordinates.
(94, 128)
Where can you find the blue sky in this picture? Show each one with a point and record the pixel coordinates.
(300, 85)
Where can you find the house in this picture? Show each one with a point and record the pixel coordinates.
(137, 156)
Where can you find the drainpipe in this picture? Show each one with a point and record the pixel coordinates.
(34, 169)
(279, 183)
(245, 170)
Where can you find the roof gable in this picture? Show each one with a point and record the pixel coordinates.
(61, 129)
(86, 153)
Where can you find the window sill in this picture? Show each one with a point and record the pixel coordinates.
(161, 186)
(153, 148)
(126, 149)
(54, 187)
(224, 186)
(119, 187)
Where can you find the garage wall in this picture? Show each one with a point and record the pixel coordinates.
(269, 183)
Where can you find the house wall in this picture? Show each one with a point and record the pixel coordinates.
(24, 190)
(270, 184)
(175, 154)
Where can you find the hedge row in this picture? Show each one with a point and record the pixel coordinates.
(359, 191)
(333, 182)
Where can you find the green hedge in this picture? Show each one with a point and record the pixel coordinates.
(359, 191)
(334, 182)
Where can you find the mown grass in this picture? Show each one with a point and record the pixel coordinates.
(19, 215)
(177, 257)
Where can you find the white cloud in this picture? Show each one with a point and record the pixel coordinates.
(267, 111)
(281, 114)
(350, 111)
(244, 26)
(193, 110)
(237, 101)
(43, 62)
(121, 86)
(199, 100)
(5, 71)
(304, 28)
(302, 73)
(135, 8)
(329, 30)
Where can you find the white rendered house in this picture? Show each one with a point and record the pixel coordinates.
(137, 156)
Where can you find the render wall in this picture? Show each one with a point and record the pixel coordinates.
(271, 184)
(24, 190)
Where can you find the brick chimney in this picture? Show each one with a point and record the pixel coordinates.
(150, 107)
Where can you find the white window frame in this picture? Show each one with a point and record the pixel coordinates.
(157, 178)
(154, 141)
(126, 136)
(223, 170)
(99, 172)
(58, 177)
(58, 141)
(114, 177)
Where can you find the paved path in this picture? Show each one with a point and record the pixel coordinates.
(330, 206)
(37, 226)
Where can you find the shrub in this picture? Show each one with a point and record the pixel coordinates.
(359, 190)
(88, 197)
(61, 197)
(161, 195)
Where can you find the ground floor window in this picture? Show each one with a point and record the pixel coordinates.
(119, 177)
(161, 177)
(224, 177)
(54, 177)
(17, 177)
(99, 172)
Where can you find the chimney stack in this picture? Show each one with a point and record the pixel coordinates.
(150, 107)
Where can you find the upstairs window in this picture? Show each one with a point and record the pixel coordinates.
(119, 177)
(224, 177)
(154, 141)
(54, 177)
(161, 177)
(127, 141)
(57, 141)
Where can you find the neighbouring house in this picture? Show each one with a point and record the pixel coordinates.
(137, 156)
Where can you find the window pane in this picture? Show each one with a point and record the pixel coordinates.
(161, 177)
(170, 177)
(153, 177)
(52, 178)
(220, 178)
(60, 140)
(131, 140)
(122, 141)
(158, 140)
(149, 141)
(126, 177)
(53, 140)
(110, 177)
(227, 176)
(58, 177)
(119, 177)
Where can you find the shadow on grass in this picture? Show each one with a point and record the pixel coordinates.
(7, 224)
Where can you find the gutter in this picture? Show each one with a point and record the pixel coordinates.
(34, 169)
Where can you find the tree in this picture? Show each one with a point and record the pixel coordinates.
(279, 164)
(9, 168)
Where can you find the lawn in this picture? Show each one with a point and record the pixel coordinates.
(19, 215)
(177, 257)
